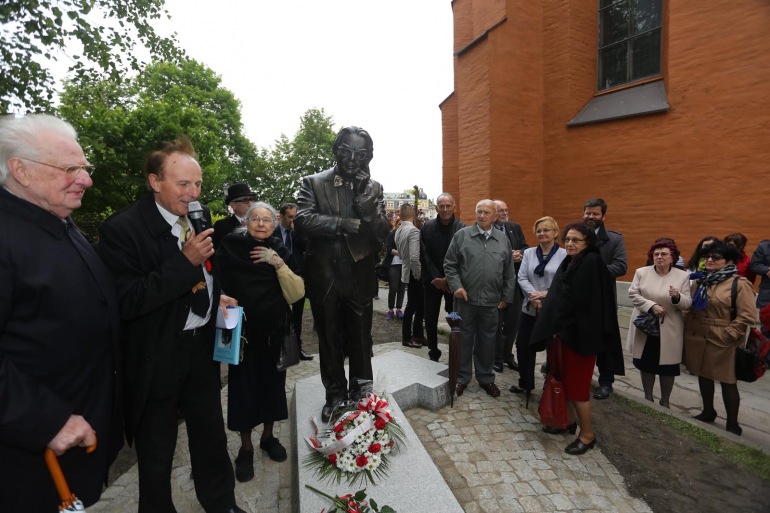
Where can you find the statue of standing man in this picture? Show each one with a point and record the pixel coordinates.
(342, 214)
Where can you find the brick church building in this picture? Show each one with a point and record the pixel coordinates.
(662, 108)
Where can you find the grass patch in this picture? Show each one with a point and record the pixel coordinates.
(755, 459)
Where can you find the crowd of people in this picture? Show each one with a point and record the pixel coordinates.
(114, 340)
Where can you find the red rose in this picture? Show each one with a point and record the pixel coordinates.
(362, 461)
(333, 459)
(375, 448)
(339, 427)
(379, 424)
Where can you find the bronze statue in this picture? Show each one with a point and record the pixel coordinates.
(342, 214)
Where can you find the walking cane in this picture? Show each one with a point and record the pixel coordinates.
(68, 500)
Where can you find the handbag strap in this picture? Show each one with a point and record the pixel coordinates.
(733, 297)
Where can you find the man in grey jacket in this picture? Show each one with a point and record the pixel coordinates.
(480, 273)
(613, 251)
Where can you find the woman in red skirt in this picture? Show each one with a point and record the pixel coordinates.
(580, 313)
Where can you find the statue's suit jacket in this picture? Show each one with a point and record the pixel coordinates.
(319, 218)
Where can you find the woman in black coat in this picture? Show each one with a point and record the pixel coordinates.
(249, 262)
(580, 313)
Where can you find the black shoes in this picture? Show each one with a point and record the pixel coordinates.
(572, 428)
(498, 367)
(273, 448)
(734, 429)
(332, 409)
(603, 392)
(577, 447)
(434, 355)
(244, 466)
(512, 364)
(706, 416)
(304, 356)
(516, 390)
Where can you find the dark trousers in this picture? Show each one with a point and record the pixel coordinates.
(507, 329)
(396, 287)
(297, 311)
(340, 317)
(415, 308)
(606, 376)
(432, 300)
(197, 395)
(477, 342)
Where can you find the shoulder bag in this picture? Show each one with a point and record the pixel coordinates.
(288, 355)
(553, 403)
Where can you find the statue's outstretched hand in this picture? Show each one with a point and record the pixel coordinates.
(350, 225)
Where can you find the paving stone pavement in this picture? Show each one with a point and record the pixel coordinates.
(491, 451)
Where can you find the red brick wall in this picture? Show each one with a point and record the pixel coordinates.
(700, 169)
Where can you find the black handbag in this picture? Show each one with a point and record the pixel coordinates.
(648, 323)
(289, 351)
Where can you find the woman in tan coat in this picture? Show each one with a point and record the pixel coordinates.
(712, 334)
(664, 291)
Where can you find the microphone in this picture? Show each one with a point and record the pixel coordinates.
(198, 222)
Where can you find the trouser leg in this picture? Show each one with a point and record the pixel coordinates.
(330, 347)
(432, 306)
(487, 318)
(416, 299)
(155, 441)
(526, 356)
(357, 322)
(467, 335)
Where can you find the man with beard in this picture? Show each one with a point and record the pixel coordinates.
(435, 237)
(613, 251)
(342, 214)
(508, 326)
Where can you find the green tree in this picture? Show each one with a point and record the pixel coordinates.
(119, 123)
(108, 34)
(309, 152)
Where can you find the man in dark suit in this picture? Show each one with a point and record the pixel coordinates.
(296, 246)
(59, 352)
(342, 213)
(239, 198)
(508, 326)
(169, 302)
(613, 250)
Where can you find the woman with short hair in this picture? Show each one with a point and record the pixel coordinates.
(664, 291)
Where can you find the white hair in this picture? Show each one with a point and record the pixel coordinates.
(18, 137)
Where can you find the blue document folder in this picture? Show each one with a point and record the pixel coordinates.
(227, 341)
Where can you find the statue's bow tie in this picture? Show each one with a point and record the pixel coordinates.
(341, 182)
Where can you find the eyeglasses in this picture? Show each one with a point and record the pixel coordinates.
(347, 153)
(574, 240)
(243, 200)
(71, 170)
(543, 230)
(713, 257)
(263, 220)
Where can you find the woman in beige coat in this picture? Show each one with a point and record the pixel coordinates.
(712, 334)
(664, 291)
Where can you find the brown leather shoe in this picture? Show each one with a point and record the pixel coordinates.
(420, 340)
(491, 389)
(411, 343)
(460, 388)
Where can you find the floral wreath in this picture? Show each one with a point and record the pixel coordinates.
(357, 445)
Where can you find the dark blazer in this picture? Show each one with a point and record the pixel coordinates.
(434, 243)
(59, 355)
(319, 215)
(223, 227)
(154, 281)
(613, 250)
(580, 307)
(299, 244)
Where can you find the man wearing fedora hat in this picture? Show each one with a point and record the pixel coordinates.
(239, 197)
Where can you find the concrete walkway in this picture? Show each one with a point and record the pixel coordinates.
(528, 472)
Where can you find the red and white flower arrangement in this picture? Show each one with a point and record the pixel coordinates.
(357, 446)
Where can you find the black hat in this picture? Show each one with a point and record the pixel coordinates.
(238, 190)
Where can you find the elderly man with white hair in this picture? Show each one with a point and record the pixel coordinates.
(58, 322)
(480, 273)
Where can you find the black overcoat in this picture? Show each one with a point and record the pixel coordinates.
(154, 281)
(59, 356)
(580, 307)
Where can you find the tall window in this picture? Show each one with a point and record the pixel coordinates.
(629, 41)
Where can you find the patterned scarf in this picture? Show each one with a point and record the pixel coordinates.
(700, 300)
(543, 260)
